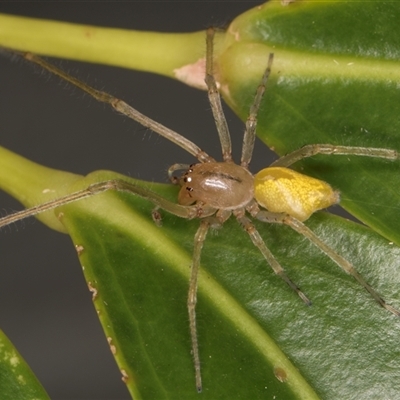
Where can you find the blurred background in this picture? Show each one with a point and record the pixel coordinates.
(45, 306)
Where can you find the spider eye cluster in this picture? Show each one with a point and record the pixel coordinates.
(282, 190)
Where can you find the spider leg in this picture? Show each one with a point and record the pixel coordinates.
(215, 100)
(313, 149)
(119, 106)
(251, 122)
(176, 167)
(188, 212)
(192, 296)
(277, 268)
(345, 265)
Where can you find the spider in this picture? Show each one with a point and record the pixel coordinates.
(213, 191)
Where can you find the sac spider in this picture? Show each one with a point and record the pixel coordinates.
(214, 191)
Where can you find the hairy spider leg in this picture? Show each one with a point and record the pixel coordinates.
(311, 150)
(251, 122)
(120, 106)
(215, 99)
(199, 239)
(188, 212)
(257, 240)
(219, 116)
(346, 266)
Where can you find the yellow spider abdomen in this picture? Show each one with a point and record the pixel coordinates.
(283, 190)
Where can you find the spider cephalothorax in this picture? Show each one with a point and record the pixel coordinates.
(221, 185)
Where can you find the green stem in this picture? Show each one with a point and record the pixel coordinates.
(32, 184)
(157, 52)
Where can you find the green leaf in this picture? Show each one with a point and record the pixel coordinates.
(139, 274)
(333, 81)
(17, 380)
(139, 279)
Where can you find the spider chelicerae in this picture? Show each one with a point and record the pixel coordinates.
(214, 191)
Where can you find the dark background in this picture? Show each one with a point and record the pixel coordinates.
(45, 306)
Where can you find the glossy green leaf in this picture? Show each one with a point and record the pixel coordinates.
(17, 381)
(344, 345)
(138, 274)
(335, 80)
